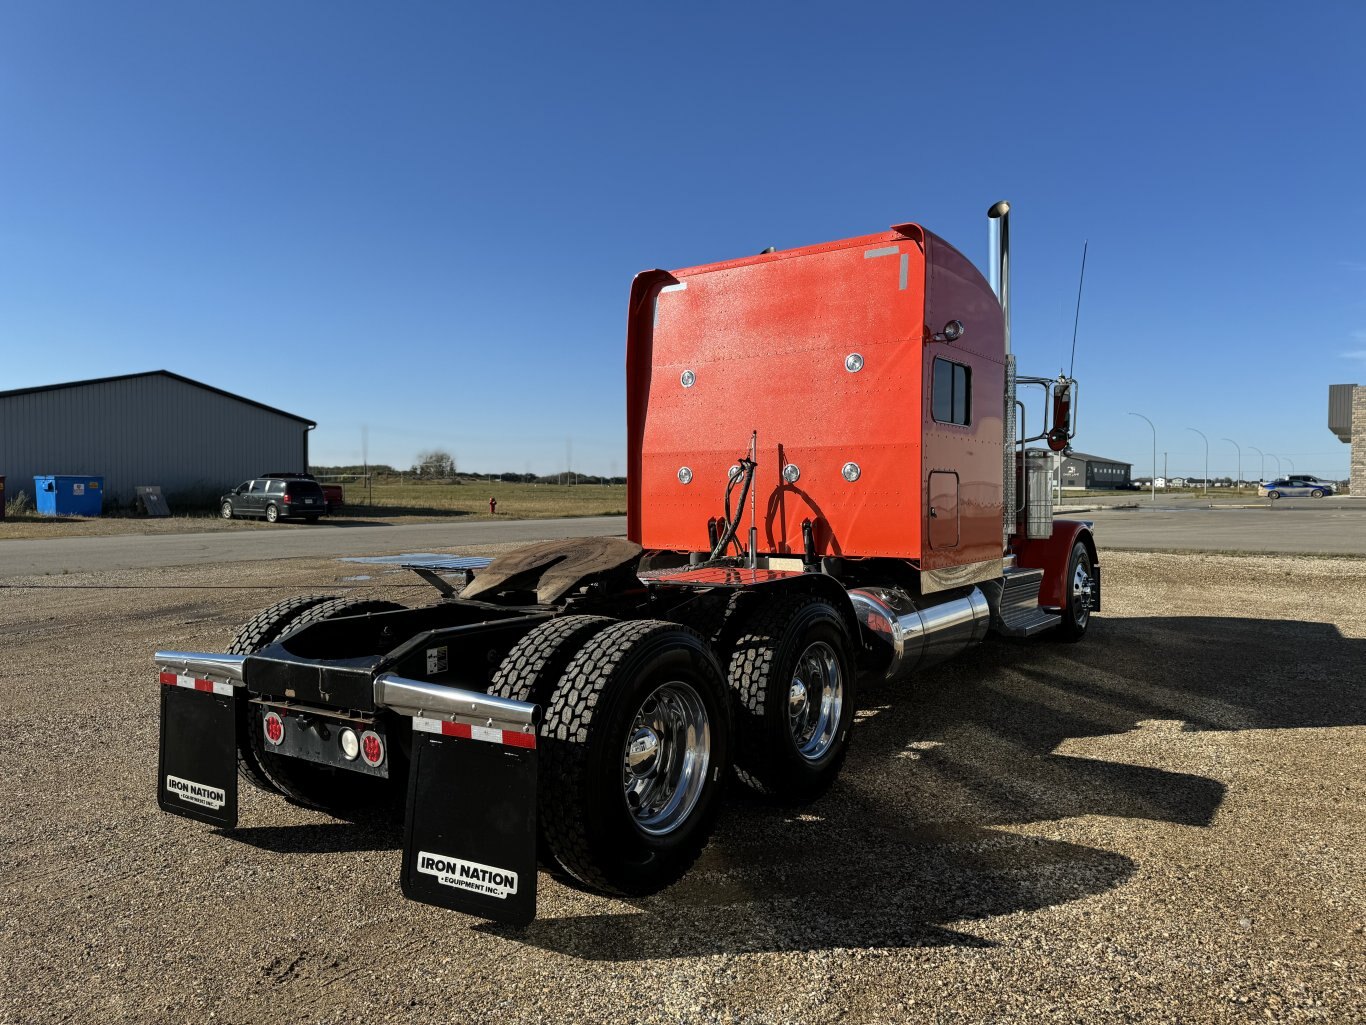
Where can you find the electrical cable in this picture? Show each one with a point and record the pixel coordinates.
(744, 471)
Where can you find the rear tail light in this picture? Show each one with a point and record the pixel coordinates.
(350, 744)
(275, 728)
(371, 748)
(288, 499)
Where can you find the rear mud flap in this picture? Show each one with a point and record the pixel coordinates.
(469, 838)
(197, 766)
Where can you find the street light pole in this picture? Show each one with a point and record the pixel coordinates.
(1261, 474)
(1202, 434)
(1292, 465)
(1278, 462)
(1239, 481)
(1152, 482)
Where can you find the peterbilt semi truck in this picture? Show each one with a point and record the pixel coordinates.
(829, 481)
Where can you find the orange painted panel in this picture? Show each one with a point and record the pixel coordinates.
(765, 341)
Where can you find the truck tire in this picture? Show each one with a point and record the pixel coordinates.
(790, 741)
(537, 662)
(266, 627)
(636, 749)
(534, 667)
(1076, 612)
(320, 787)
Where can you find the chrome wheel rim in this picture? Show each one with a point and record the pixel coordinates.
(1081, 592)
(272, 514)
(227, 510)
(665, 758)
(815, 701)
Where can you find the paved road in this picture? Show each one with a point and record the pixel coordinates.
(1289, 528)
(148, 551)
(1286, 528)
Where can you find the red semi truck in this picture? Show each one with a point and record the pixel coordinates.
(828, 479)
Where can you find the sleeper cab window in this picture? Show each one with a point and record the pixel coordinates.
(951, 392)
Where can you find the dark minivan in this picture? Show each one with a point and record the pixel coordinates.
(275, 498)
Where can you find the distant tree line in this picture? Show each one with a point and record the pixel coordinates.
(439, 467)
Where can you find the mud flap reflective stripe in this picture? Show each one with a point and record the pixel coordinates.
(197, 765)
(469, 837)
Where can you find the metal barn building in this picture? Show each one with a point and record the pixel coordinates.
(152, 428)
(1080, 470)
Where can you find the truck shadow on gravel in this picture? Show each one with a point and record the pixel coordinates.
(917, 833)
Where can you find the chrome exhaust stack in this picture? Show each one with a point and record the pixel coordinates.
(998, 228)
(903, 635)
(998, 239)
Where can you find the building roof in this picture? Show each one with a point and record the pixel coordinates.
(157, 373)
(1095, 459)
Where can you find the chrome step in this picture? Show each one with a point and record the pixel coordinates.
(1019, 614)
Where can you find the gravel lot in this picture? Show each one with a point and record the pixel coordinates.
(1165, 823)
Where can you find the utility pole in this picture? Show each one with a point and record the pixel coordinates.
(1202, 434)
(1164, 466)
(1152, 481)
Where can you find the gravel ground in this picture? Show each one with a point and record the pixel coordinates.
(1164, 823)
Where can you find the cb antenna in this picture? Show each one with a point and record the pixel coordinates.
(1077, 319)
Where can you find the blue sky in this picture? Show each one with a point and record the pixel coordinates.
(424, 218)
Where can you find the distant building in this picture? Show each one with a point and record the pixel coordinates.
(152, 428)
(1347, 419)
(1094, 473)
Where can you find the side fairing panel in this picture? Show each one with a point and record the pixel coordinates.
(767, 342)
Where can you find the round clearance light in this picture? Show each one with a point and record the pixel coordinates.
(953, 331)
(791, 473)
(371, 748)
(687, 379)
(853, 362)
(350, 744)
(851, 472)
(685, 475)
(275, 728)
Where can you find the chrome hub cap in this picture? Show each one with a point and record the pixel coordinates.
(642, 753)
(815, 701)
(666, 757)
(1081, 593)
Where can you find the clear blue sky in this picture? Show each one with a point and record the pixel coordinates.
(425, 217)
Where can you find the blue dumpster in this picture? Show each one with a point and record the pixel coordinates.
(65, 495)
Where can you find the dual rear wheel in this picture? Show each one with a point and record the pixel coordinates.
(643, 724)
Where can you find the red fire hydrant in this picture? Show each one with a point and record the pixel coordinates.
(493, 506)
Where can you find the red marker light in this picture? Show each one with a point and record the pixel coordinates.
(371, 748)
(275, 728)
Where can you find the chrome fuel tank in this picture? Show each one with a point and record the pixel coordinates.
(905, 634)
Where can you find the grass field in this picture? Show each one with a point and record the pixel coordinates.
(516, 501)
